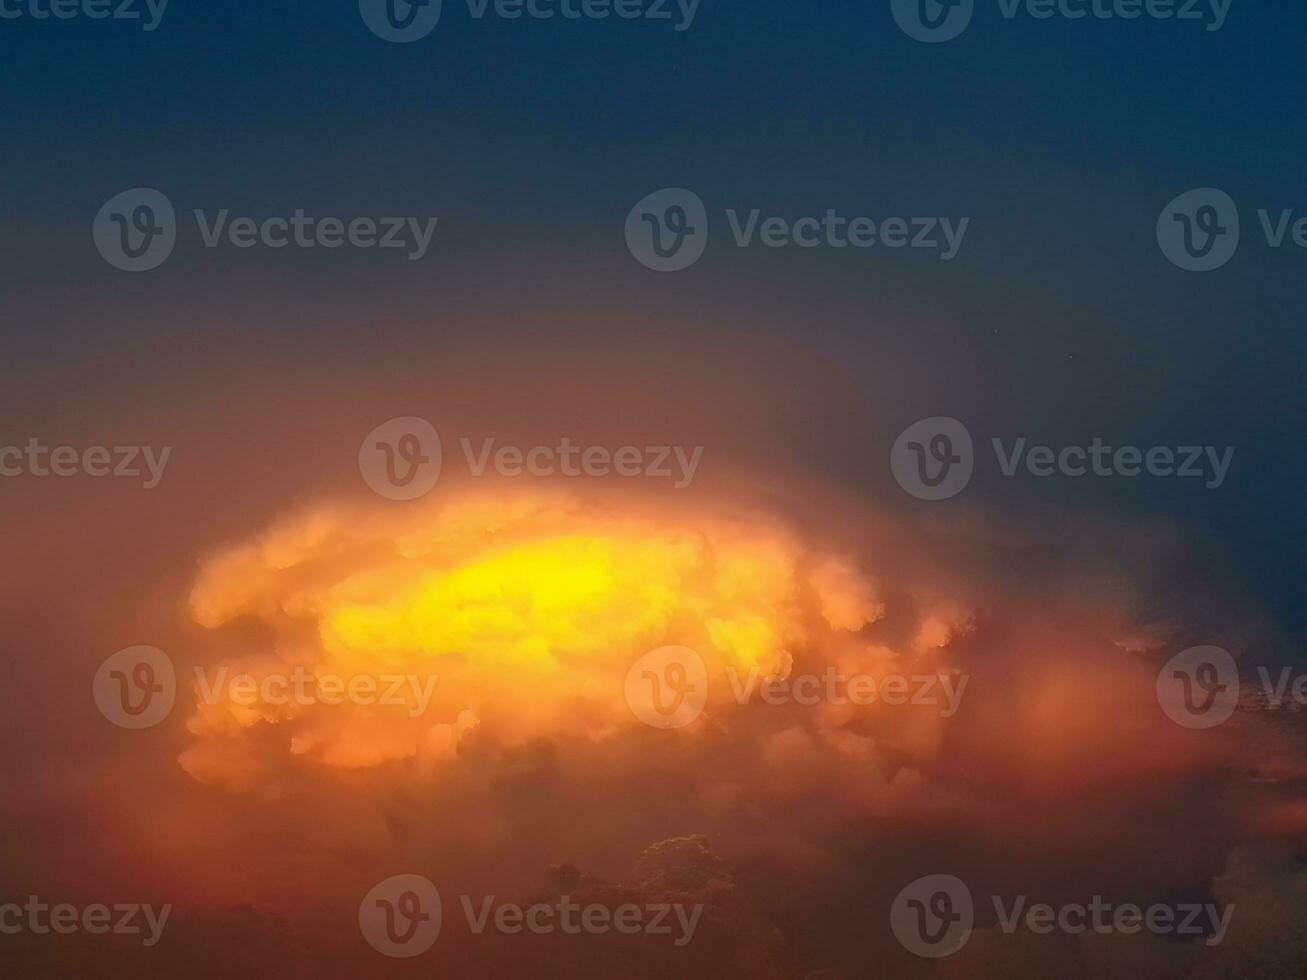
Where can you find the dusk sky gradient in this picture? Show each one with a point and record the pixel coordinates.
(1060, 321)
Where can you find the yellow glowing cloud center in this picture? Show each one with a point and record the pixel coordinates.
(526, 609)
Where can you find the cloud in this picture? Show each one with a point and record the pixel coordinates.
(1057, 776)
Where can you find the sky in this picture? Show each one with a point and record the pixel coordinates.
(530, 140)
(519, 157)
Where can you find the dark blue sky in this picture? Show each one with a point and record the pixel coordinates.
(531, 140)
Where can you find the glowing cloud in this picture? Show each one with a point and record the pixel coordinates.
(527, 611)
